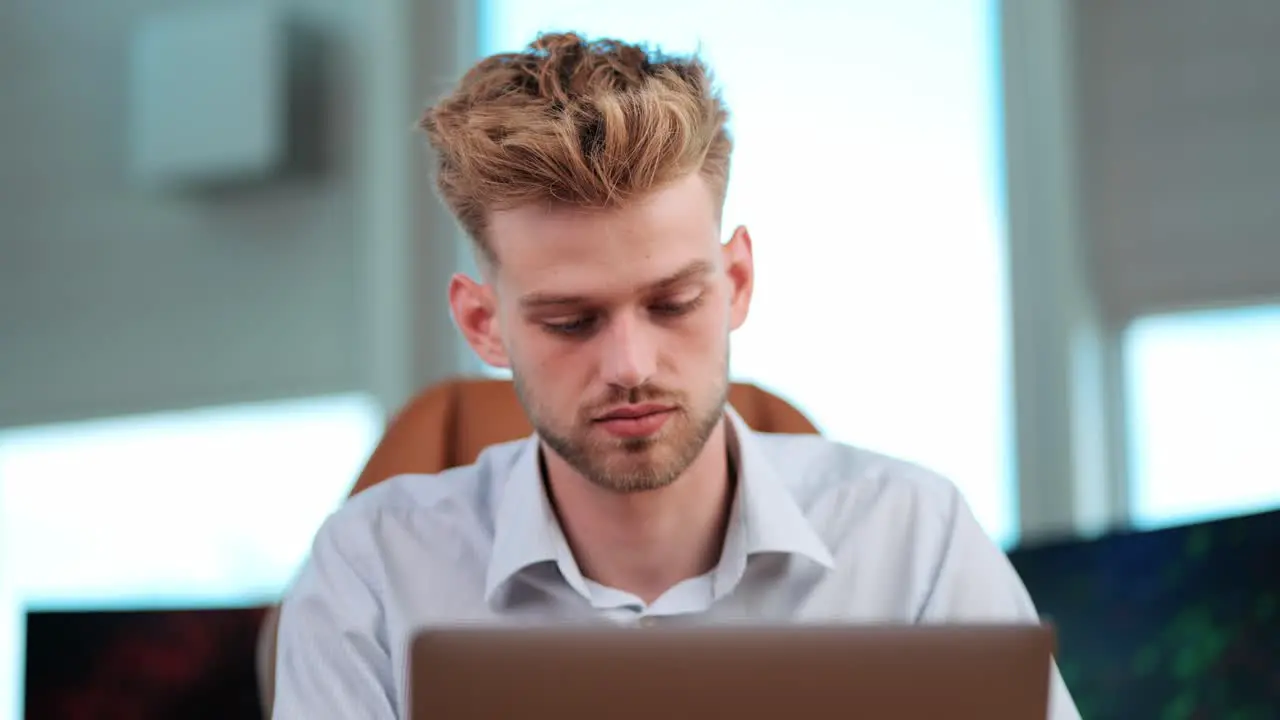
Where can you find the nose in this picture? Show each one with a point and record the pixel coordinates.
(629, 354)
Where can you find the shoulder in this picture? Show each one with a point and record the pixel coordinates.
(902, 523)
(837, 476)
(413, 502)
(857, 499)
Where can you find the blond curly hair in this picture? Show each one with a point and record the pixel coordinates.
(574, 122)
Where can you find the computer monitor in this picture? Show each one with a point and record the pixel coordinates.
(1178, 622)
(154, 664)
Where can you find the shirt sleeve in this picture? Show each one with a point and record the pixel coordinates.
(975, 582)
(332, 656)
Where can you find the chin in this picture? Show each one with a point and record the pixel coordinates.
(634, 480)
(634, 469)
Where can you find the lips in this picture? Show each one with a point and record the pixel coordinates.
(632, 412)
(635, 421)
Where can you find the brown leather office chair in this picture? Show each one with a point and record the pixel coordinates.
(449, 424)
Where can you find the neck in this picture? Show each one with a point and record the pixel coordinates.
(644, 543)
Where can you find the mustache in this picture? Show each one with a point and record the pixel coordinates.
(633, 396)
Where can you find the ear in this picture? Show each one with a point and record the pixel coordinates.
(475, 311)
(740, 267)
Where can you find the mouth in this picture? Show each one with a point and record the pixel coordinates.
(634, 421)
(633, 412)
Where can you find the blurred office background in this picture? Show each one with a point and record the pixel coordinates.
(1034, 245)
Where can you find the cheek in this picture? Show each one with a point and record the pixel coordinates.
(557, 368)
(712, 324)
(699, 343)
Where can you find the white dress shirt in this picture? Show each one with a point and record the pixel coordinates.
(819, 532)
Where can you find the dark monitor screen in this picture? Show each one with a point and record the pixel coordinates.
(1182, 622)
(143, 665)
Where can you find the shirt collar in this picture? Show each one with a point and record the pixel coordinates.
(526, 530)
(765, 518)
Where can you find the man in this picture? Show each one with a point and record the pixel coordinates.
(590, 176)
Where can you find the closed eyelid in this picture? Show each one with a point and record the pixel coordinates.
(575, 326)
(684, 293)
(694, 274)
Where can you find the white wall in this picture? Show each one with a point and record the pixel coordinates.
(1179, 126)
(115, 299)
(1141, 141)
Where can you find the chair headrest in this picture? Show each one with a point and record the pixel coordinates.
(450, 423)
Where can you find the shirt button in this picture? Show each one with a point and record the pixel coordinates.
(648, 621)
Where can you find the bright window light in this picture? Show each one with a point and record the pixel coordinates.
(1204, 414)
(211, 507)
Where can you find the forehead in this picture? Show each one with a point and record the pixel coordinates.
(603, 252)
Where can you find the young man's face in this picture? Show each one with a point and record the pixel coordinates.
(615, 324)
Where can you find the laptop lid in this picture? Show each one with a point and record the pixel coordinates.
(811, 672)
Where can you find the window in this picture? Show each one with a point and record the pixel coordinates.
(1203, 414)
(204, 507)
(866, 165)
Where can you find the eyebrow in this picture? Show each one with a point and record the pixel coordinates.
(697, 268)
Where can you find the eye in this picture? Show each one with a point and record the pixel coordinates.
(576, 327)
(676, 308)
